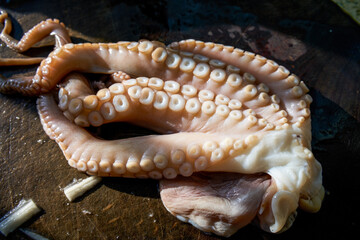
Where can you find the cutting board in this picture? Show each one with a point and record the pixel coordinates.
(313, 39)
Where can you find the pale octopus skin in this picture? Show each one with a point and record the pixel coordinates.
(218, 108)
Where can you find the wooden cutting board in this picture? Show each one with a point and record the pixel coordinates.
(313, 39)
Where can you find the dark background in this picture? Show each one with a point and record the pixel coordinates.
(312, 38)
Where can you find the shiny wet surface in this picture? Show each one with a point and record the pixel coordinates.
(313, 39)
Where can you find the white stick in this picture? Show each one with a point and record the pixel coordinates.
(75, 190)
(17, 216)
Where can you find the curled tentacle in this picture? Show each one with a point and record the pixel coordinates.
(28, 86)
(34, 35)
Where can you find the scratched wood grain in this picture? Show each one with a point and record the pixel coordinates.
(313, 39)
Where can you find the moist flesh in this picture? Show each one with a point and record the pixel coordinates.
(220, 203)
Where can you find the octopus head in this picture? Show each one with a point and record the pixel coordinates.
(263, 181)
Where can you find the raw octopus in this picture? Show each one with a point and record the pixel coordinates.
(235, 143)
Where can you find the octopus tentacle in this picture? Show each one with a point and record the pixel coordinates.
(34, 35)
(293, 95)
(164, 100)
(4, 35)
(160, 62)
(27, 86)
(121, 158)
(102, 56)
(73, 86)
(20, 61)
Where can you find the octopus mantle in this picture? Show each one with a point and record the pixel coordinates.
(218, 108)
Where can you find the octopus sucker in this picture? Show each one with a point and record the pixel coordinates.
(234, 126)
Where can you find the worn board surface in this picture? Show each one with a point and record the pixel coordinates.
(313, 39)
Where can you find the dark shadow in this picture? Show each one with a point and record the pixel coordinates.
(119, 130)
(138, 187)
(319, 23)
